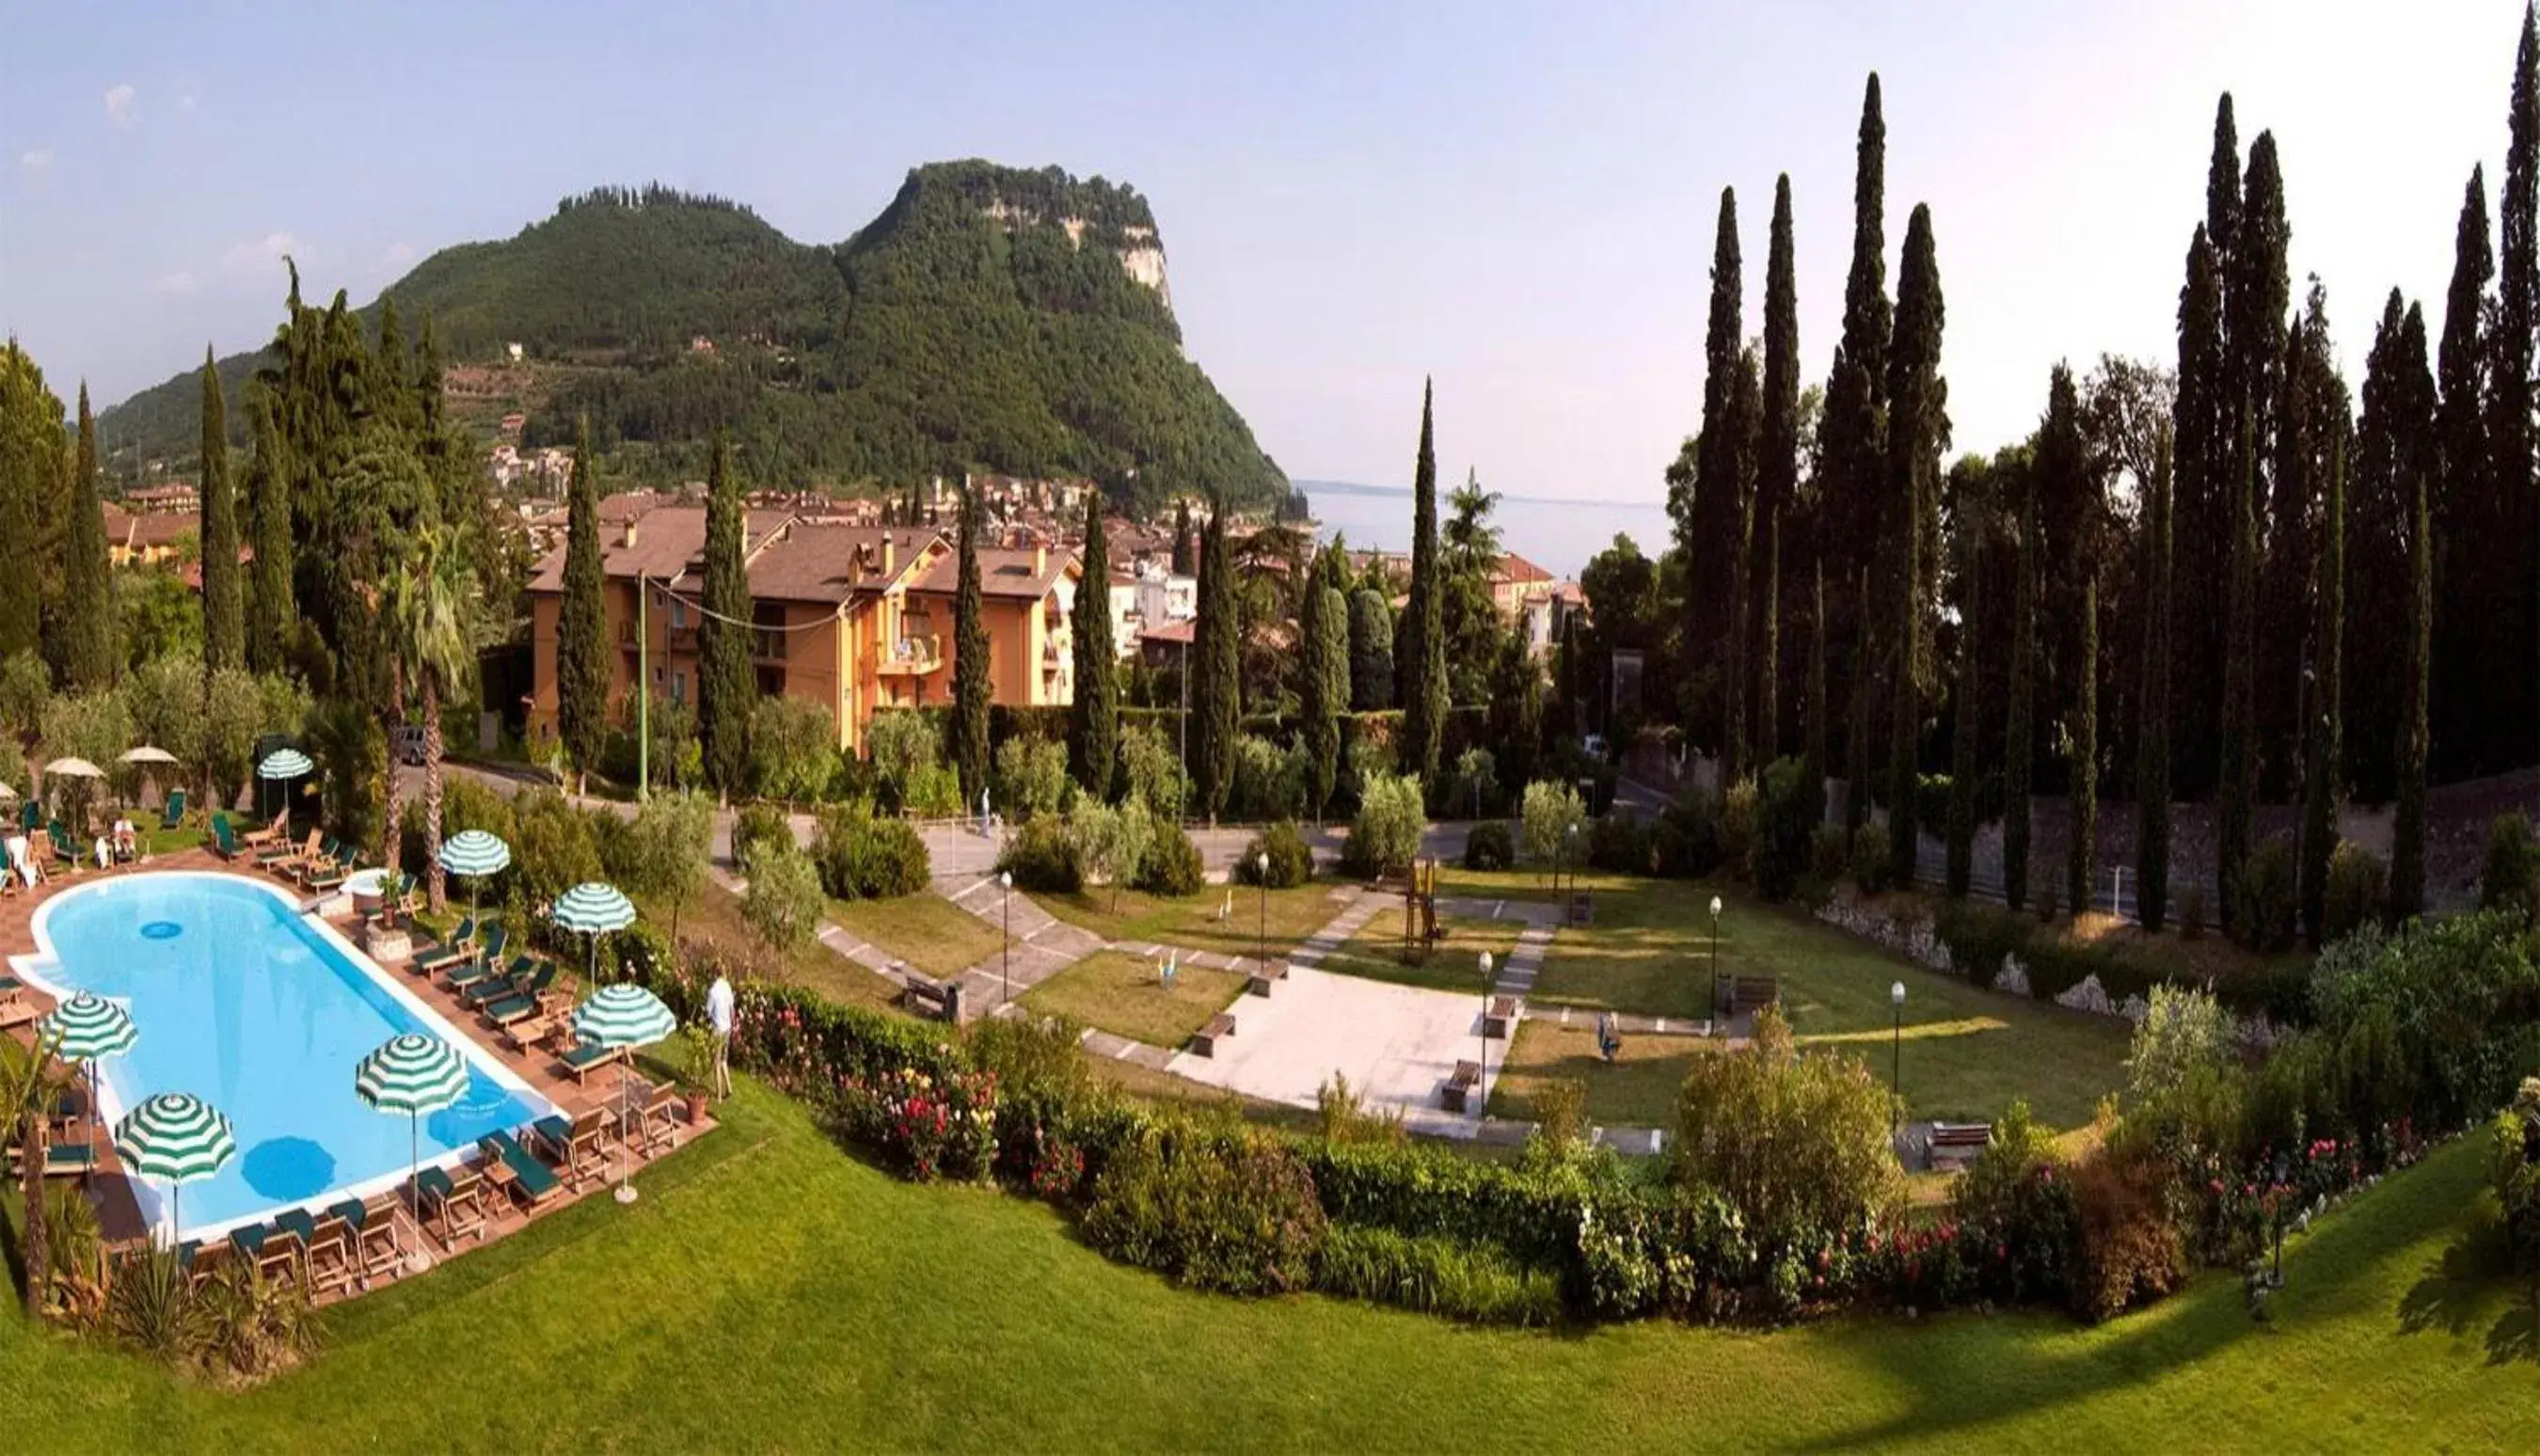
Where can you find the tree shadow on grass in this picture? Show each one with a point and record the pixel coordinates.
(2472, 1283)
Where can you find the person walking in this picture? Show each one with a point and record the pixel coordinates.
(719, 1010)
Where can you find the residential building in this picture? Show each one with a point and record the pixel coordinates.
(148, 539)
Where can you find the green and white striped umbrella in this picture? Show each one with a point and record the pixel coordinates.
(412, 1074)
(475, 851)
(623, 1014)
(89, 1027)
(593, 909)
(178, 1139)
(284, 763)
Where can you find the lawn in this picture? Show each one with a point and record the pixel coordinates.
(1638, 1089)
(1966, 1052)
(925, 930)
(1204, 922)
(717, 911)
(770, 1291)
(1120, 994)
(1454, 963)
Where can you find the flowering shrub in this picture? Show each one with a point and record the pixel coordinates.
(930, 1128)
(1233, 1211)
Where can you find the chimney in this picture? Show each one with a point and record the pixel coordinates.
(1040, 559)
(889, 556)
(629, 542)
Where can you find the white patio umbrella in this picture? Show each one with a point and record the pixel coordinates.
(85, 1029)
(622, 1014)
(593, 909)
(475, 854)
(178, 1139)
(148, 753)
(412, 1074)
(73, 768)
(279, 765)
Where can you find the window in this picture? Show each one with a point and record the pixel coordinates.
(679, 613)
(679, 686)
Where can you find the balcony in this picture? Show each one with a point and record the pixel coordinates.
(912, 655)
(681, 638)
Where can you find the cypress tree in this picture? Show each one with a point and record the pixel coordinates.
(1215, 688)
(1768, 650)
(1322, 691)
(31, 487)
(88, 584)
(1422, 670)
(2019, 746)
(1855, 807)
(2511, 401)
(726, 682)
(2234, 780)
(224, 617)
(2468, 531)
(1093, 718)
(2152, 738)
(1852, 514)
(1370, 630)
(1816, 689)
(1746, 407)
(2407, 833)
(2222, 182)
(1962, 747)
(2084, 861)
(2200, 474)
(1776, 467)
(582, 676)
(971, 690)
(1917, 420)
(427, 377)
(272, 614)
(2322, 757)
(2260, 298)
(1709, 518)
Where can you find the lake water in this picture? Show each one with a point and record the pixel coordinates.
(1558, 535)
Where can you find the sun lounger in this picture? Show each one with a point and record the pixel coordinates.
(460, 946)
(456, 1202)
(520, 978)
(374, 1249)
(174, 813)
(582, 1059)
(532, 1182)
(281, 857)
(61, 1160)
(225, 842)
(271, 834)
(332, 1265)
(525, 997)
(578, 1145)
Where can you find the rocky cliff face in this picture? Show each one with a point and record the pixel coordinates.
(1140, 252)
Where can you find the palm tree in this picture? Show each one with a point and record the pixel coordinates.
(435, 625)
(30, 1080)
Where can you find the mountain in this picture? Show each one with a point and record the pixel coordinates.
(989, 318)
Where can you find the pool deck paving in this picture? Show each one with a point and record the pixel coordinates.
(119, 1214)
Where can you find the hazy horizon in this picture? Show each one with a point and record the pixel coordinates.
(1517, 201)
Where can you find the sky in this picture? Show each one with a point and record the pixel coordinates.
(1517, 200)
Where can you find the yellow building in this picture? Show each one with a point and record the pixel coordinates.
(852, 617)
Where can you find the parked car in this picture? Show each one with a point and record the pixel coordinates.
(405, 744)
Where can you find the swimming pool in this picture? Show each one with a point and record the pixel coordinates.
(263, 1013)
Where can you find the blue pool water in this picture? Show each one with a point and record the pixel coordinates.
(264, 1014)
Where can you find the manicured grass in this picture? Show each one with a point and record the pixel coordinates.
(1122, 994)
(716, 910)
(770, 1291)
(1452, 963)
(925, 930)
(1203, 922)
(1966, 1052)
(1638, 1089)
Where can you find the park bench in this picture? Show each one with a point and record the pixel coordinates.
(1960, 1141)
(1264, 976)
(1203, 1042)
(1581, 910)
(1748, 993)
(1458, 1095)
(1500, 1021)
(938, 998)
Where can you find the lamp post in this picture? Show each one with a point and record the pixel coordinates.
(1715, 964)
(1261, 941)
(1569, 837)
(1006, 950)
(1483, 1082)
(1897, 1058)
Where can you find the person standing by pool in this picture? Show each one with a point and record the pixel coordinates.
(718, 1017)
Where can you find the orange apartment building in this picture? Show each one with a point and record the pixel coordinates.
(853, 617)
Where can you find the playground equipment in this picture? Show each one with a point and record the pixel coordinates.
(1419, 890)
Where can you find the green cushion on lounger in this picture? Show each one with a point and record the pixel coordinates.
(556, 1129)
(515, 1008)
(587, 1055)
(352, 1211)
(299, 1221)
(249, 1240)
(537, 1179)
(435, 1184)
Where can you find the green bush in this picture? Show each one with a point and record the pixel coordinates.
(2357, 892)
(1172, 865)
(1795, 1145)
(2191, 914)
(2514, 1169)
(1153, 773)
(1738, 809)
(2263, 917)
(1292, 862)
(1490, 846)
(1269, 783)
(1619, 843)
(1829, 854)
(865, 857)
(1032, 777)
(1233, 1211)
(793, 748)
(1042, 857)
(782, 904)
(555, 850)
(1547, 816)
(1476, 1283)
(2510, 879)
(1869, 858)
(2018, 1195)
(1385, 837)
(759, 826)
(1692, 820)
